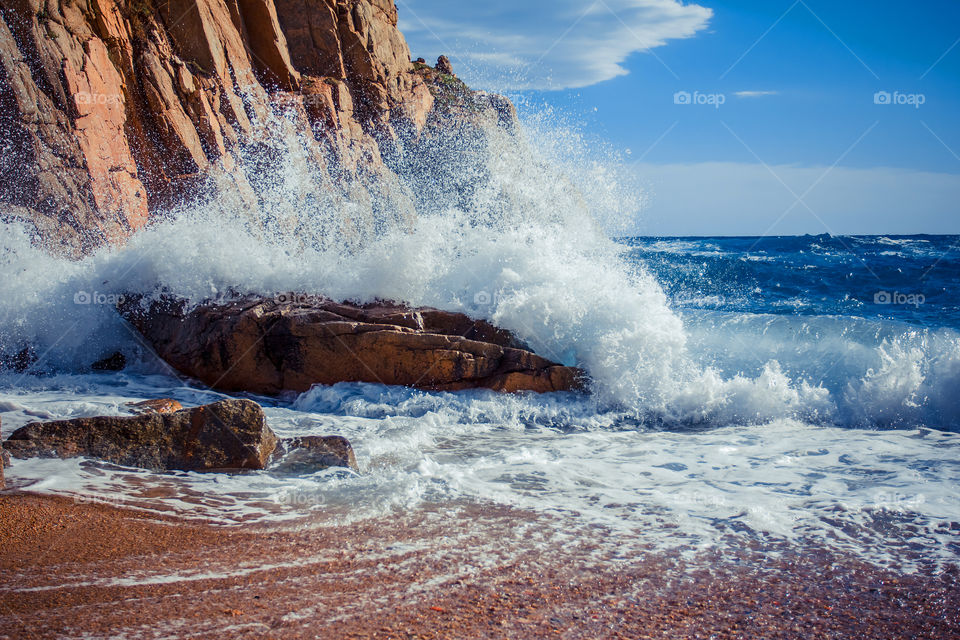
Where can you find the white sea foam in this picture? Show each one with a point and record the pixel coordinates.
(913, 382)
(874, 493)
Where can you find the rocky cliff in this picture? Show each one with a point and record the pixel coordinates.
(114, 111)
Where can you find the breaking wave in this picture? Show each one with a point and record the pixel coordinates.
(525, 243)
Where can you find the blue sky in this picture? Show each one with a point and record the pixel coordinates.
(739, 117)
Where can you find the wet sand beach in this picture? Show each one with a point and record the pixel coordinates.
(80, 570)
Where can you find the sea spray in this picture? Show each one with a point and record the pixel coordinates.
(525, 244)
(523, 250)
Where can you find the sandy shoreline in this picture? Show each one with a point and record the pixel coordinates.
(71, 569)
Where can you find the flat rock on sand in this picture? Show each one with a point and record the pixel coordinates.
(229, 434)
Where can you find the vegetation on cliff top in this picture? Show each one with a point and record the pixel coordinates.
(448, 90)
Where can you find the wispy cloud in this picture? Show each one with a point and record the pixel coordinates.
(755, 94)
(544, 44)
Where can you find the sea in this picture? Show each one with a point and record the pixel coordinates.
(743, 392)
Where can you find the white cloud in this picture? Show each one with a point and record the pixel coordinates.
(755, 94)
(544, 44)
(727, 198)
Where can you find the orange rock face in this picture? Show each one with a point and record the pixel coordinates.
(96, 93)
(116, 110)
(269, 346)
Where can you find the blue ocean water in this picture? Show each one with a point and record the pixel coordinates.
(869, 321)
(910, 279)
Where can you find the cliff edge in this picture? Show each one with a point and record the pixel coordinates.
(113, 111)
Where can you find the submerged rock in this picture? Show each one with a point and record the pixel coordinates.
(18, 362)
(315, 453)
(114, 362)
(225, 435)
(294, 342)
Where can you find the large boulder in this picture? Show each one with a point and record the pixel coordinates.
(291, 343)
(225, 435)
